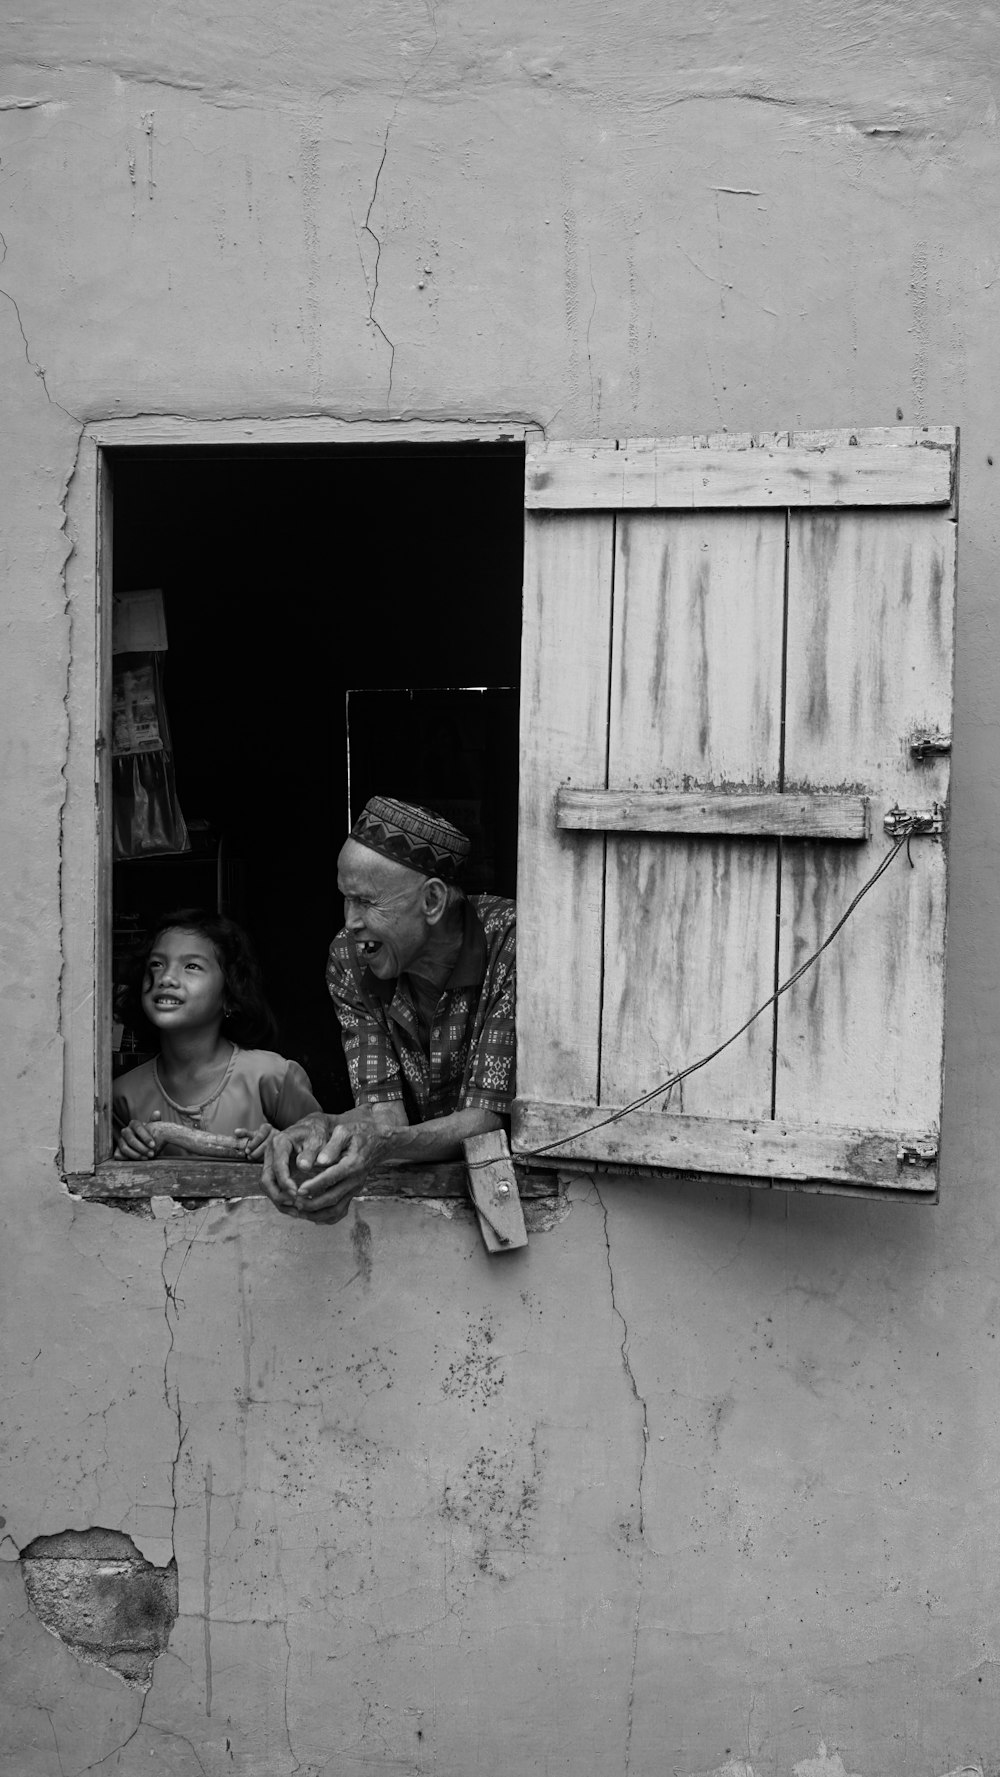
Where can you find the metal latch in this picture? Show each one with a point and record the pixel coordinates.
(917, 1153)
(929, 740)
(900, 822)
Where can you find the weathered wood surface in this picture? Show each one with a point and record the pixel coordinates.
(740, 1147)
(494, 1191)
(103, 962)
(696, 694)
(821, 815)
(695, 669)
(564, 738)
(121, 1179)
(651, 473)
(84, 884)
(870, 620)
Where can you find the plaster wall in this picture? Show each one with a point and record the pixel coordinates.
(706, 1481)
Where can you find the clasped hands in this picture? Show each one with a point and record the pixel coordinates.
(316, 1167)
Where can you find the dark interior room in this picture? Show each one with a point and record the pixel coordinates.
(338, 623)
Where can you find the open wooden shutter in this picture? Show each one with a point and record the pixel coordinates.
(737, 672)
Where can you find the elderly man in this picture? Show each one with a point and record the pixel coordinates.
(422, 980)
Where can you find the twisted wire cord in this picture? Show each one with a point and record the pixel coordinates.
(645, 1098)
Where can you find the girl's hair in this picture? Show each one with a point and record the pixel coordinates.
(249, 1020)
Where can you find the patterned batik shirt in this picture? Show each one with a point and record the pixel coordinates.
(470, 1065)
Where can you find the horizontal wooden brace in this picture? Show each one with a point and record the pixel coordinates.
(790, 815)
(647, 474)
(724, 1145)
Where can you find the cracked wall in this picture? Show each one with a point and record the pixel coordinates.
(703, 1482)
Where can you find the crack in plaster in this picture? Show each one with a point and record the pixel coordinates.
(641, 1403)
(171, 1300)
(367, 224)
(32, 363)
(297, 1762)
(55, 1737)
(152, 1728)
(368, 229)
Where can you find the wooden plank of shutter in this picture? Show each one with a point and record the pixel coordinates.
(736, 1147)
(564, 722)
(696, 695)
(650, 473)
(869, 662)
(824, 815)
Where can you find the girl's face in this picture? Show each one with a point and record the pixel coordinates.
(184, 986)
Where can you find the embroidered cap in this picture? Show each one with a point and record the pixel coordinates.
(415, 837)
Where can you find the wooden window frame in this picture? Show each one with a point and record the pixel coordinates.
(85, 838)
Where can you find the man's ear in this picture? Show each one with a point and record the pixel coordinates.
(435, 899)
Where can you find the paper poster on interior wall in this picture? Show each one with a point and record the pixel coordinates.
(147, 815)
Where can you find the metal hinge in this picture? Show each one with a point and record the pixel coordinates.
(900, 822)
(929, 740)
(917, 1153)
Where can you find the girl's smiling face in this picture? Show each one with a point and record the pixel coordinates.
(185, 987)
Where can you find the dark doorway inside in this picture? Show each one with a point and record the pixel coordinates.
(339, 621)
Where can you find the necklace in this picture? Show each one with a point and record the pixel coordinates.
(196, 1111)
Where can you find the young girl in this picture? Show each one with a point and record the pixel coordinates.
(197, 984)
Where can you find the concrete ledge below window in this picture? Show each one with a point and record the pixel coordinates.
(115, 1181)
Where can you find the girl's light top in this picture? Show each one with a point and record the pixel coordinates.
(260, 1087)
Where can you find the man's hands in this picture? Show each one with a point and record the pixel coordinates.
(317, 1166)
(314, 1168)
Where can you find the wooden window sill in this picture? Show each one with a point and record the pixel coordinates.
(116, 1181)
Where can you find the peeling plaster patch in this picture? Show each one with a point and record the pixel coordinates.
(542, 1214)
(95, 1592)
(9, 103)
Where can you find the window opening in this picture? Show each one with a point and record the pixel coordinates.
(338, 622)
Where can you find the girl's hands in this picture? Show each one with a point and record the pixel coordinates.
(256, 1140)
(143, 1141)
(137, 1141)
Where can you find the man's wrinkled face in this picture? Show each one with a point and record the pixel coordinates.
(384, 909)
